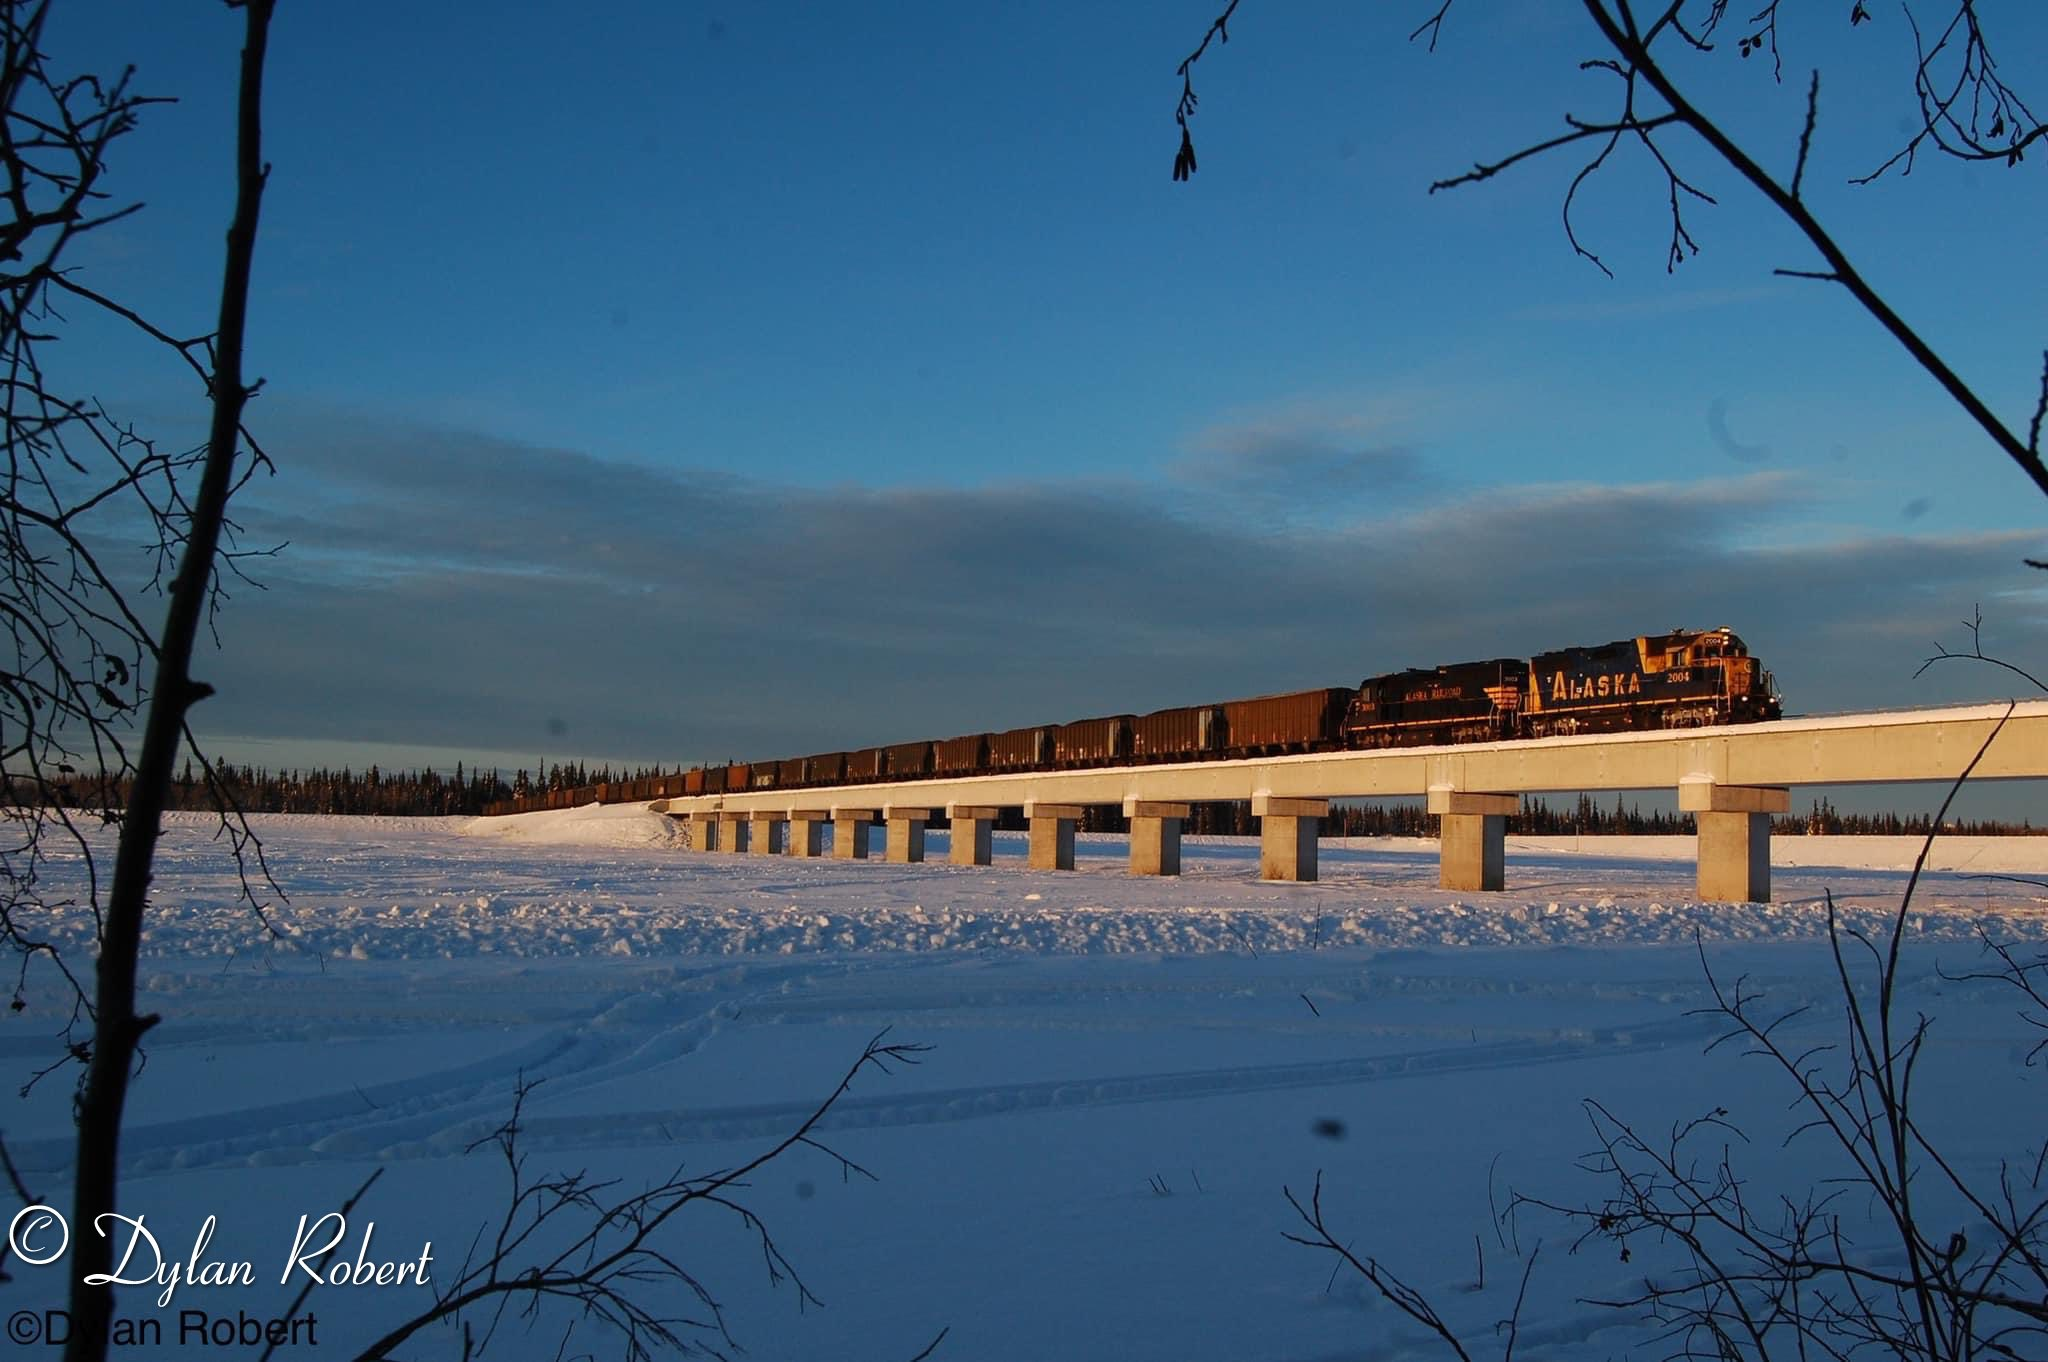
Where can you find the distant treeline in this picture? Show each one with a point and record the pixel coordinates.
(373, 790)
(1823, 820)
(1590, 817)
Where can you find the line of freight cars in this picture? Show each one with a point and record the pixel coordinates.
(1683, 679)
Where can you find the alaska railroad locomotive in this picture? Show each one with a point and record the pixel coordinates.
(1683, 679)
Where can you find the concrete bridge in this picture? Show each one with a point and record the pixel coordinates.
(1730, 779)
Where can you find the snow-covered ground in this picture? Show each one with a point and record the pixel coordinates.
(1088, 1163)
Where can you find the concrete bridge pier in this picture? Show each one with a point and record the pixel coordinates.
(807, 832)
(766, 837)
(1473, 837)
(1288, 829)
(972, 843)
(850, 833)
(1735, 837)
(1155, 835)
(906, 833)
(704, 831)
(1052, 834)
(732, 831)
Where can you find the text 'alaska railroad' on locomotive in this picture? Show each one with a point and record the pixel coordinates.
(1683, 679)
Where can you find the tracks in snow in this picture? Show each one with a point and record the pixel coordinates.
(441, 1114)
(769, 1120)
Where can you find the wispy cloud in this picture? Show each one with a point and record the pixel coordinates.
(1311, 460)
(456, 590)
(1650, 305)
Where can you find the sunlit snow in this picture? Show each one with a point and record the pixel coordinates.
(1126, 1071)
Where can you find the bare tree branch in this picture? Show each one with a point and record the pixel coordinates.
(604, 1250)
(117, 1027)
(1975, 624)
(1617, 28)
(1433, 25)
(1392, 1289)
(1184, 109)
(1967, 111)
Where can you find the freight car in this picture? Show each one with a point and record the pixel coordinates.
(1020, 749)
(960, 756)
(1682, 679)
(1176, 734)
(1298, 721)
(1092, 742)
(907, 760)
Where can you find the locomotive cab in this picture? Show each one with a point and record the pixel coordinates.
(1747, 690)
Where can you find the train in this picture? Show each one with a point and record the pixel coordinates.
(1687, 678)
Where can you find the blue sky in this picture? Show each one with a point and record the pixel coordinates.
(682, 382)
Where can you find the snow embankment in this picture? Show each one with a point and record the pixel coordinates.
(591, 825)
